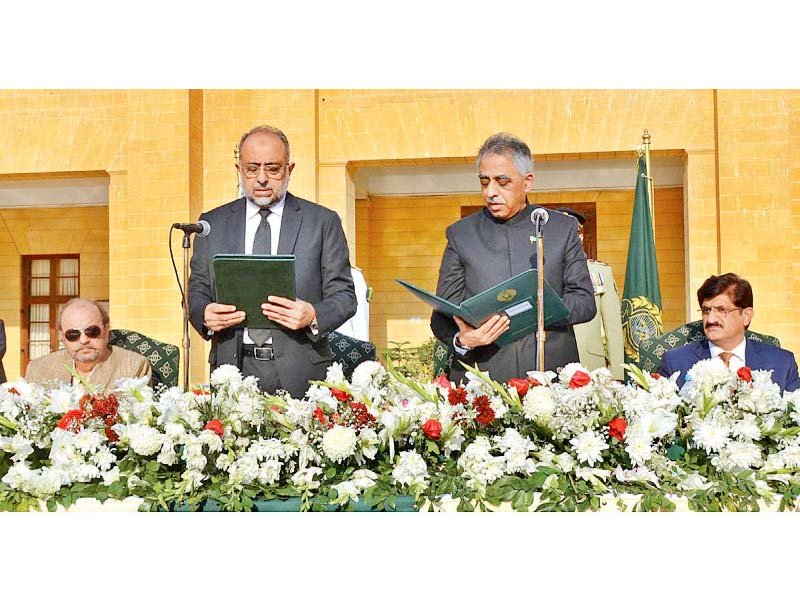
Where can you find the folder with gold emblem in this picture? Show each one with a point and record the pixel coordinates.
(245, 281)
(515, 297)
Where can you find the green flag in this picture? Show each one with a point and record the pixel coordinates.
(641, 298)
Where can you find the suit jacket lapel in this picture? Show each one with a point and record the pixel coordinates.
(234, 238)
(290, 224)
(754, 357)
(701, 349)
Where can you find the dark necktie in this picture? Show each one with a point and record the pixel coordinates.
(262, 244)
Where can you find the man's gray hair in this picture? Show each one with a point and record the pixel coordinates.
(509, 145)
(267, 129)
(73, 301)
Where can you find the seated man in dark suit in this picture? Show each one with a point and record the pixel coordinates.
(726, 303)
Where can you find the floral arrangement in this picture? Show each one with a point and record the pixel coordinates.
(551, 441)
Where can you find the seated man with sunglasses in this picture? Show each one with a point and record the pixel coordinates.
(726, 303)
(83, 327)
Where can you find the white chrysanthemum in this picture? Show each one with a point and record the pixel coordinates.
(306, 478)
(538, 404)
(267, 449)
(87, 440)
(142, 439)
(736, 456)
(85, 472)
(243, 470)
(339, 443)
(638, 445)
(746, 429)
(588, 447)
(174, 431)
(104, 458)
(335, 374)
(711, 434)
(212, 441)
(567, 372)
(269, 472)
(709, 372)
(226, 375)
(410, 470)
(368, 373)
(565, 462)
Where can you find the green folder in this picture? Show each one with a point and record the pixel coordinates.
(245, 280)
(515, 297)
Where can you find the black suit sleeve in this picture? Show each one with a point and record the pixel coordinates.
(200, 292)
(451, 287)
(578, 292)
(338, 291)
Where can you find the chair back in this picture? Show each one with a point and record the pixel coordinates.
(652, 350)
(350, 352)
(163, 357)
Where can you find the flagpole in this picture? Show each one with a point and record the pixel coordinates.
(646, 142)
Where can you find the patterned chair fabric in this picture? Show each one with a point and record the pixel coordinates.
(163, 357)
(350, 352)
(442, 359)
(652, 350)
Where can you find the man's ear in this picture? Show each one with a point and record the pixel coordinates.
(747, 315)
(529, 179)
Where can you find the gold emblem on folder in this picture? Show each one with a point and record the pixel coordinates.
(506, 295)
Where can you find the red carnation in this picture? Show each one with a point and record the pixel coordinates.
(361, 413)
(111, 434)
(432, 429)
(745, 374)
(655, 375)
(579, 379)
(485, 411)
(215, 425)
(72, 419)
(340, 395)
(457, 396)
(617, 427)
(521, 385)
(105, 406)
(319, 415)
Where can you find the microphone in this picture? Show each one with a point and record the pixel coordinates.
(539, 217)
(201, 228)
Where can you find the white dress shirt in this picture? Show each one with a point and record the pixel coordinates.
(251, 222)
(737, 361)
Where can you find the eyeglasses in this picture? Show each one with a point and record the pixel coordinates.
(272, 170)
(720, 311)
(92, 332)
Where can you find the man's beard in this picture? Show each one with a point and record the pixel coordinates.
(278, 194)
(87, 355)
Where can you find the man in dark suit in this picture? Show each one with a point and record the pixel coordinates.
(726, 303)
(2, 350)
(270, 220)
(489, 246)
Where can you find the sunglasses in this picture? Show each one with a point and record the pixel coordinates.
(73, 335)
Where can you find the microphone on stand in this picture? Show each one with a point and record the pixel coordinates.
(201, 228)
(539, 217)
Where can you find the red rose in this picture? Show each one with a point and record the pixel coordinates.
(521, 385)
(617, 427)
(319, 415)
(340, 395)
(579, 379)
(457, 396)
(71, 419)
(215, 425)
(443, 382)
(432, 429)
(745, 374)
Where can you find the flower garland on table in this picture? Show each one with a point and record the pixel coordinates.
(552, 441)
